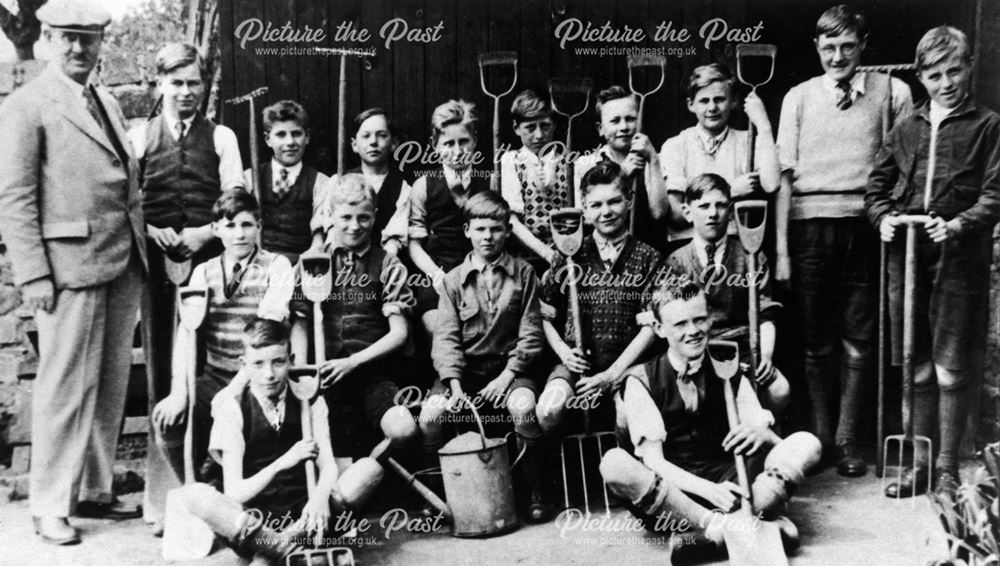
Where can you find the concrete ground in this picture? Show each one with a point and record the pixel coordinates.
(842, 522)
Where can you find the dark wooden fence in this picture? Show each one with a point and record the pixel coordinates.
(410, 79)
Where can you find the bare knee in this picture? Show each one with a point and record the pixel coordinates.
(429, 321)
(856, 351)
(521, 407)
(552, 404)
(625, 475)
(431, 413)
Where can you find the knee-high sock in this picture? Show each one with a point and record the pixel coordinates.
(819, 387)
(852, 388)
(925, 415)
(953, 407)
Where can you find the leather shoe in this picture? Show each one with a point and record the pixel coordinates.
(849, 461)
(912, 483)
(116, 510)
(946, 481)
(56, 530)
(538, 511)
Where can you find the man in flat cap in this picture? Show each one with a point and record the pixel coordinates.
(71, 219)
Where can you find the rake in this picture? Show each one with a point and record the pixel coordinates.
(254, 151)
(570, 88)
(496, 59)
(883, 274)
(342, 96)
(752, 238)
(743, 52)
(567, 235)
(909, 290)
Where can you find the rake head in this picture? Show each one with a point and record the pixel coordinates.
(248, 96)
(497, 59)
(567, 230)
(577, 447)
(919, 444)
(333, 556)
(751, 223)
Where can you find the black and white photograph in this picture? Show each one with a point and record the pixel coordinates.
(490, 282)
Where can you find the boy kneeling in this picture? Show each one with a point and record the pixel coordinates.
(257, 436)
(674, 407)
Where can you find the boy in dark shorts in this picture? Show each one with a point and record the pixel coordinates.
(489, 338)
(957, 180)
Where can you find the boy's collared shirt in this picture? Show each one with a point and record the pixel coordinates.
(701, 247)
(280, 277)
(227, 424)
(966, 180)
(397, 298)
(291, 176)
(857, 85)
(609, 250)
(645, 421)
(226, 147)
(274, 411)
(474, 326)
(321, 191)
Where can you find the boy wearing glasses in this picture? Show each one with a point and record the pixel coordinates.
(831, 129)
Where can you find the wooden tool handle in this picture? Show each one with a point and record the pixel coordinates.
(751, 147)
(733, 415)
(753, 314)
(495, 179)
(341, 114)
(425, 492)
(307, 434)
(909, 290)
(190, 377)
(319, 335)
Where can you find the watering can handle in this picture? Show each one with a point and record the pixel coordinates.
(479, 423)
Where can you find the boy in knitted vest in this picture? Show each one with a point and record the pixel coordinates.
(244, 282)
(533, 179)
(615, 272)
(959, 185)
(830, 131)
(291, 194)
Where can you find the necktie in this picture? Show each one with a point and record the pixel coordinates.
(711, 145)
(281, 187)
(688, 389)
(180, 130)
(492, 285)
(708, 275)
(844, 98)
(92, 108)
(234, 280)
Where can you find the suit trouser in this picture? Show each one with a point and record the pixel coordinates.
(85, 355)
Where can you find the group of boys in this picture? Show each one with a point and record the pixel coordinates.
(496, 307)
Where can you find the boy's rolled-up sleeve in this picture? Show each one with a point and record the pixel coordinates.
(397, 298)
(446, 348)
(280, 285)
(418, 210)
(644, 420)
(530, 334)
(788, 131)
(399, 223)
(227, 428)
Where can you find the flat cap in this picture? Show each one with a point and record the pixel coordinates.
(75, 15)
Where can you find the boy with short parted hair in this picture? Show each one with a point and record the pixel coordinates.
(436, 242)
(959, 185)
(374, 140)
(719, 264)
(533, 178)
(681, 444)
(618, 114)
(186, 161)
(615, 273)
(244, 282)
(712, 146)
(830, 131)
(292, 194)
(489, 337)
(365, 324)
(257, 438)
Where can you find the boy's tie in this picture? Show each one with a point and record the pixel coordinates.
(844, 99)
(180, 130)
(234, 280)
(281, 187)
(688, 389)
(710, 266)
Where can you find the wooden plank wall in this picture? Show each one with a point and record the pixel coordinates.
(410, 79)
